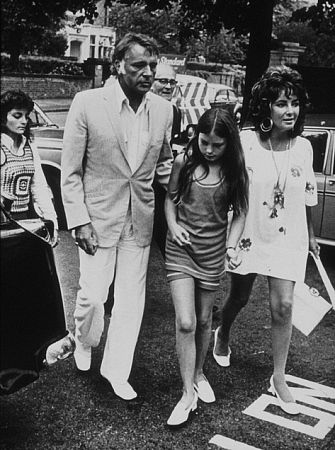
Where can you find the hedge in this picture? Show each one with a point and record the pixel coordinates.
(42, 65)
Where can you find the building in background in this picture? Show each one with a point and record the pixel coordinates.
(87, 40)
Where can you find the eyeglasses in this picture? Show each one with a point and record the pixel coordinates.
(165, 81)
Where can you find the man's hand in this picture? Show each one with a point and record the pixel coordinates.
(86, 238)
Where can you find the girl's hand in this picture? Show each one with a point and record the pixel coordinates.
(233, 258)
(314, 247)
(179, 235)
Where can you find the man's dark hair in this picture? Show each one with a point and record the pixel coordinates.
(127, 41)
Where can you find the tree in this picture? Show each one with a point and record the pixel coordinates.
(161, 24)
(258, 55)
(25, 21)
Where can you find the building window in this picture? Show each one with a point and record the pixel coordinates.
(104, 47)
(92, 46)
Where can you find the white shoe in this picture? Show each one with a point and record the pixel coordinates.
(289, 407)
(180, 414)
(205, 391)
(223, 361)
(122, 390)
(82, 356)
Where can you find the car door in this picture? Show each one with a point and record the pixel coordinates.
(328, 219)
(322, 140)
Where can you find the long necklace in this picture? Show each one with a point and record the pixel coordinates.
(278, 191)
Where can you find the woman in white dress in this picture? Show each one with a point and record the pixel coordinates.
(278, 232)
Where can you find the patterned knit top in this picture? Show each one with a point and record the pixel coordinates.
(17, 171)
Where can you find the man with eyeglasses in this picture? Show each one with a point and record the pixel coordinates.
(164, 86)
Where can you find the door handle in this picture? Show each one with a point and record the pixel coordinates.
(331, 182)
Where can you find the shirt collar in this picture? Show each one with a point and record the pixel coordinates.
(8, 142)
(121, 98)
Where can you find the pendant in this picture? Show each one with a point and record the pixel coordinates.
(278, 196)
(278, 201)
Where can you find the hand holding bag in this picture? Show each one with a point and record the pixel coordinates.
(309, 306)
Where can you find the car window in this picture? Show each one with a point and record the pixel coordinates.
(318, 139)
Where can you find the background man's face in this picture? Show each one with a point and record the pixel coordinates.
(137, 69)
(165, 81)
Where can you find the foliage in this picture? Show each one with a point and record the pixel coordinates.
(320, 17)
(41, 65)
(24, 22)
(161, 24)
(313, 31)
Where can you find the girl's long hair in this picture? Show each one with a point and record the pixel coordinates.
(233, 169)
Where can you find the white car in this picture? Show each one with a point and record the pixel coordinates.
(222, 95)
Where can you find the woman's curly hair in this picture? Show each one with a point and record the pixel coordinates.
(275, 80)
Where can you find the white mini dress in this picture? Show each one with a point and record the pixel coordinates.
(275, 239)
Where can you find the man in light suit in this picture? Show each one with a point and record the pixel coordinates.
(116, 141)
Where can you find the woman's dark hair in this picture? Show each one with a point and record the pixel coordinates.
(15, 99)
(275, 80)
(127, 41)
(223, 124)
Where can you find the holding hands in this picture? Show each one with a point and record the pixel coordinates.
(233, 258)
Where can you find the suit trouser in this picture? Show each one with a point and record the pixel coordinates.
(127, 264)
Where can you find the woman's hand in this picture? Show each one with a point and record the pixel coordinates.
(233, 258)
(55, 239)
(179, 235)
(314, 247)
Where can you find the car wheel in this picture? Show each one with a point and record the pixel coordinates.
(53, 179)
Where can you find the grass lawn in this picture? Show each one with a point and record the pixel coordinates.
(65, 410)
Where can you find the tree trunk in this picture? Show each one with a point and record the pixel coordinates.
(14, 50)
(258, 55)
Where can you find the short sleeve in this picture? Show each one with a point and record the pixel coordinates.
(311, 191)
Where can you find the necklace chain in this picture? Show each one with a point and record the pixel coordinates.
(278, 192)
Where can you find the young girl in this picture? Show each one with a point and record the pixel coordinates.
(205, 181)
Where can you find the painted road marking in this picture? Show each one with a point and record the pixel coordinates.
(304, 391)
(325, 423)
(230, 444)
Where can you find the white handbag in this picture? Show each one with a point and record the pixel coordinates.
(309, 306)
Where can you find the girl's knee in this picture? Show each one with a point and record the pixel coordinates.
(186, 326)
(204, 322)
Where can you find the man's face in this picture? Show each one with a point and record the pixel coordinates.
(137, 69)
(165, 82)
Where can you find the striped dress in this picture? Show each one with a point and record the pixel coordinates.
(202, 211)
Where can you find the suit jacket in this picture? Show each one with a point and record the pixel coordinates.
(97, 181)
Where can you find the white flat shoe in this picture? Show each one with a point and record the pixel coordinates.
(223, 361)
(122, 390)
(82, 356)
(180, 415)
(205, 391)
(288, 407)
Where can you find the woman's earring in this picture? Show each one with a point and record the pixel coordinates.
(266, 124)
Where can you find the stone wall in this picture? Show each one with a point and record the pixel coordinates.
(46, 86)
